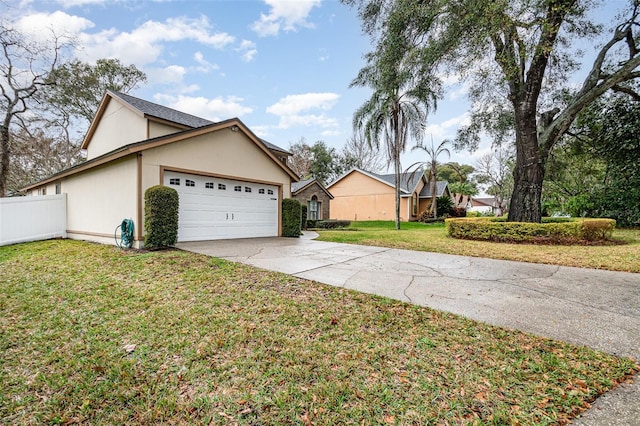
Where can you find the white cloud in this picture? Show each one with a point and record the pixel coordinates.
(205, 66)
(41, 26)
(215, 109)
(286, 15)
(290, 109)
(293, 104)
(173, 74)
(71, 3)
(144, 44)
(248, 49)
(447, 128)
(321, 120)
(262, 131)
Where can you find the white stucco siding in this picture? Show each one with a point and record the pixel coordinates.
(118, 126)
(224, 153)
(99, 199)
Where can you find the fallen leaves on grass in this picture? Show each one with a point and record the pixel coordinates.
(219, 343)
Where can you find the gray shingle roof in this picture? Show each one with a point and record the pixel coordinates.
(440, 187)
(175, 116)
(295, 186)
(274, 147)
(408, 181)
(163, 112)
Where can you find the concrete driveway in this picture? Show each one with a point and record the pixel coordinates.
(599, 309)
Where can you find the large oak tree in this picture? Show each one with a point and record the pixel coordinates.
(518, 56)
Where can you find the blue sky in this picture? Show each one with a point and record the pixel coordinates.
(282, 67)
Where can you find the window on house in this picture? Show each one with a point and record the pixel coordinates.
(247, 189)
(414, 205)
(261, 191)
(312, 210)
(222, 186)
(237, 188)
(188, 182)
(209, 185)
(44, 191)
(174, 181)
(270, 191)
(58, 188)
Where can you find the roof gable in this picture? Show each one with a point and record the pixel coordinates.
(303, 184)
(155, 112)
(441, 186)
(164, 113)
(234, 124)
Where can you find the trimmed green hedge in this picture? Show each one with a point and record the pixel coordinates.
(291, 218)
(160, 217)
(552, 230)
(332, 224)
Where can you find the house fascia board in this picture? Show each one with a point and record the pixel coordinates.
(160, 141)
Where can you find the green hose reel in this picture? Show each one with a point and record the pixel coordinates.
(126, 234)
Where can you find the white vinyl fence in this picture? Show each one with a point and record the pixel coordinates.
(32, 218)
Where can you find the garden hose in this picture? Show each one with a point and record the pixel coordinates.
(126, 234)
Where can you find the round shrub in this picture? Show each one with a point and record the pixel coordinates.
(160, 217)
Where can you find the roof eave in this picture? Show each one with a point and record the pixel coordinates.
(159, 141)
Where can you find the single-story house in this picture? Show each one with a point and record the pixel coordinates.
(229, 181)
(486, 205)
(362, 195)
(314, 195)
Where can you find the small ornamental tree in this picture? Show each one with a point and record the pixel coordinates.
(291, 217)
(160, 217)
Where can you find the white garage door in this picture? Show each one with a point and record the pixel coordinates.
(214, 209)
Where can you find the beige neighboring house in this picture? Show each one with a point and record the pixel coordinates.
(362, 195)
(315, 196)
(230, 182)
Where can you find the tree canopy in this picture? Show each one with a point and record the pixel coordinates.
(77, 87)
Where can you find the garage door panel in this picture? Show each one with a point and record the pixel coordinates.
(213, 209)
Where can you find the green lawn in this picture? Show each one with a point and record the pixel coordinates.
(433, 237)
(91, 334)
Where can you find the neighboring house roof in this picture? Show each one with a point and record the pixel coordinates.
(441, 186)
(135, 147)
(159, 112)
(408, 181)
(303, 184)
(483, 201)
(461, 200)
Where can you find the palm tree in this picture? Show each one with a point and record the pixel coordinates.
(398, 106)
(433, 153)
(392, 117)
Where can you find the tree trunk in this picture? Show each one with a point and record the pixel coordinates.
(4, 159)
(528, 173)
(396, 164)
